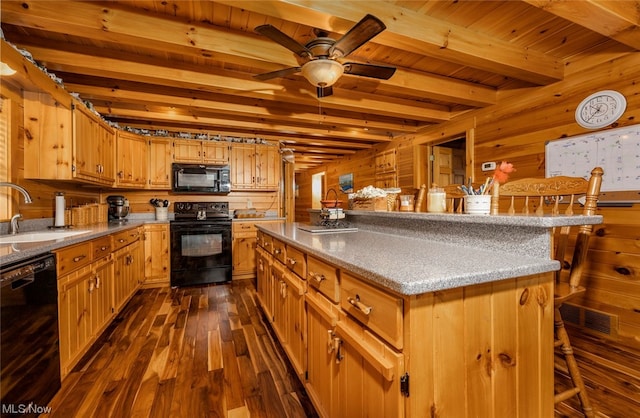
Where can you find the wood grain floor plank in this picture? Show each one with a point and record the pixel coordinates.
(232, 381)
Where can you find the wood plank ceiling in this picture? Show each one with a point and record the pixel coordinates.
(188, 65)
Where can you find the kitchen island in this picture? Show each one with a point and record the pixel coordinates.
(417, 315)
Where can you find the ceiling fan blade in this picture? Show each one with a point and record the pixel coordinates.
(364, 30)
(383, 72)
(324, 92)
(280, 73)
(283, 39)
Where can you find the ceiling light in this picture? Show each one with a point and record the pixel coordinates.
(322, 72)
(6, 70)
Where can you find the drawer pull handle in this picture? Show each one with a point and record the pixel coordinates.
(317, 277)
(103, 248)
(359, 305)
(78, 258)
(277, 250)
(122, 240)
(292, 261)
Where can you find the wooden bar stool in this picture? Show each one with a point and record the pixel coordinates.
(536, 195)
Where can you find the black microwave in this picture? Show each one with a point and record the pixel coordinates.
(200, 178)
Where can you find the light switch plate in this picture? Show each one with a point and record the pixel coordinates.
(488, 166)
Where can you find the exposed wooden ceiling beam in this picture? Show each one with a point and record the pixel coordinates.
(225, 82)
(190, 99)
(619, 20)
(113, 24)
(419, 33)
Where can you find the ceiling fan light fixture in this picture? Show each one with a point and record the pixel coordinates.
(322, 72)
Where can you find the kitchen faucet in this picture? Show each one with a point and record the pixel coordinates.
(13, 225)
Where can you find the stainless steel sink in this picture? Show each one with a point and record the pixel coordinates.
(39, 236)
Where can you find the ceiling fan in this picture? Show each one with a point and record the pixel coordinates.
(320, 55)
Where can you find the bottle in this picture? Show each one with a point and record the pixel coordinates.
(436, 199)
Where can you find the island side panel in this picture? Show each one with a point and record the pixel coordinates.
(483, 350)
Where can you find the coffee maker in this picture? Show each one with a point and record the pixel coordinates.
(118, 208)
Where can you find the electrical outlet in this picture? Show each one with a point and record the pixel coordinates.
(488, 166)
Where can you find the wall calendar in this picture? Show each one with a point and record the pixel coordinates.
(617, 151)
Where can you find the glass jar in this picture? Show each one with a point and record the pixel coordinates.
(436, 199)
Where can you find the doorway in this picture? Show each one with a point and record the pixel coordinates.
(317, 190)
(448, 162)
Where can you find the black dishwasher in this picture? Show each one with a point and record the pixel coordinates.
(30, 354)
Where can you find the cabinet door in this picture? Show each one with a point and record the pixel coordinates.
(369, 375)
(296, 320)
(160, 163)
(87, 160)
(128, 269)
(73, 315)
(263, 280)
(186, 150)
(267, 167)
(100, 296)
(244, 253)
(156, 255)
(94, 147)
(279, 287)
(243, 166)
(215, 152)
(131, 160)
(322, 373)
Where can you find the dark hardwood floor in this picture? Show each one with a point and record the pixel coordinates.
(207, 352)
(188, 352)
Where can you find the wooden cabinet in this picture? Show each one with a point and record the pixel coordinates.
(131, 160)
(324, 278)
(292, 290)
(264, 286)
(322, 373)
(244, 249)
(245, 237)
(192, 151)
(84, 298)
(128, 267)
(94, 144)
(255, 167)
(160, 159)
(156, 255)
(70, 142)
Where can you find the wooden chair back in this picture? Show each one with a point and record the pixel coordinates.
(555, 196)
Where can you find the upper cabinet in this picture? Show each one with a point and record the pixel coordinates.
(160, 160)
(255, 167)
(209, 152)
(71, 143)
(131, 160)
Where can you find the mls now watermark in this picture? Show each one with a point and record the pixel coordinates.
(21, 408)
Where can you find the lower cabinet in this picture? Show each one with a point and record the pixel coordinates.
(84, 309)
(156, 255)
(342, 336)
(128, 271)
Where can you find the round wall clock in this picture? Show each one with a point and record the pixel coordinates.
(600, 109)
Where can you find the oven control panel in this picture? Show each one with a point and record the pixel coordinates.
(200, 210)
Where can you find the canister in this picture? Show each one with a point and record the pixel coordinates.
(436, 199)
(406, 203)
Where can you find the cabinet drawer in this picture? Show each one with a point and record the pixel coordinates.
(243, 227)
(297, 262)
(72, 258)
(279, 250)
(323, 277)
(101, 247)
(379, 311)
(124, 238)
(265, 241)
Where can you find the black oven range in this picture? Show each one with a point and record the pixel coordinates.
(200, 243)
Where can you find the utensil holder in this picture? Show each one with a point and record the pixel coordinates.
(477, 204)
(162, 213)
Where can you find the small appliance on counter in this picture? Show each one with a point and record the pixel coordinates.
(118, 208)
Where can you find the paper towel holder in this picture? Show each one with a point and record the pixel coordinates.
(56, 210)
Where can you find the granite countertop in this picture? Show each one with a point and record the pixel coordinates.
(10, 253)
(411, 265)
